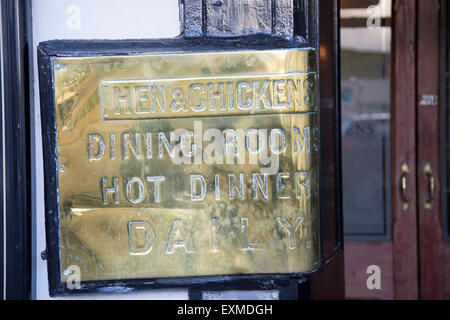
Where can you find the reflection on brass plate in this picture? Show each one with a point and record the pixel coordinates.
(181, 165)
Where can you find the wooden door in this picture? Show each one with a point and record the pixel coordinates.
(430, 231)
(444, 114)
(413, 260)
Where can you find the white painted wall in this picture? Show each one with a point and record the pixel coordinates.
(89, 19)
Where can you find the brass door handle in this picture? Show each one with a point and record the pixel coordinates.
(431, 186)
(403, 187)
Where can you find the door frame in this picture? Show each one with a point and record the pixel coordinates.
(444, 98)
(429, 210)
(16, 182)
(417, 231)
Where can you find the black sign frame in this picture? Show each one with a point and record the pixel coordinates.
(330, 197)
(48, 51)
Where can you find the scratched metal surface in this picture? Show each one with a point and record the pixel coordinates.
(136, 231)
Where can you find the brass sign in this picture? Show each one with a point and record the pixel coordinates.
(178, 165)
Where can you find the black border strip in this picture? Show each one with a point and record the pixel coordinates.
(445, 118)
(2, 189)
(16, 106)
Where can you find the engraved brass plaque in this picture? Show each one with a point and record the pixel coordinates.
(179, 165)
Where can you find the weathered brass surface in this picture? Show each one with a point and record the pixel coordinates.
(182, 165)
